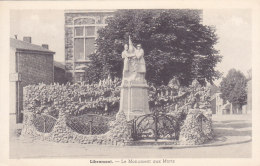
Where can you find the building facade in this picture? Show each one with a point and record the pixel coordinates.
(80, 39)
(29, 64)
(218, 106)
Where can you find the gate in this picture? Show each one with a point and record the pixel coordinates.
(155, 126)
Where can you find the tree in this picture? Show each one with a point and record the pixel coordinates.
(233, 88)
(175, 44)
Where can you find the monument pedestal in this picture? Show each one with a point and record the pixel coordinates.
(134, 98)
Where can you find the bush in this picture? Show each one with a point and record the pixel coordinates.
(75, 99)
(172, 97)
(103, 98)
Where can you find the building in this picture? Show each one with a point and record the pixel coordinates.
(218, 106)
(80, 34)
(29, 64)
(216, 100)
(59, 73)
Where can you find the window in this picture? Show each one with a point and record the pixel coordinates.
(89, 31)
(84, 38)
(78, 31)
(89, 46)
(79, 49)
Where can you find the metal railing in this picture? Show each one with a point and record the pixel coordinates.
(89, 124)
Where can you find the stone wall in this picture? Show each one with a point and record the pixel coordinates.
(197, 127)
(119, 133)
(196, 130)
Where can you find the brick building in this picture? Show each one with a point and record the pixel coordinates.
(29, 64)
(80, 34)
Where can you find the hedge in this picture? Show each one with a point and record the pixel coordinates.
(74, 99)
(103, 98)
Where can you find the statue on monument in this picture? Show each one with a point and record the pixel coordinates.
(134, 88)
(134, 63)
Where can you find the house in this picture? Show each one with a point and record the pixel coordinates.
(218, 105)
(81, 28)
(29, 64)
(215, 100)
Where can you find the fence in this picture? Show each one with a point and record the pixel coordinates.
(44, 123)
(89, 124)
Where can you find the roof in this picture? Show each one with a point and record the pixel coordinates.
(23, 46)
(59, 65)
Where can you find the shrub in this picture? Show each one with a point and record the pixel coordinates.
(103, 98)
(75, 99)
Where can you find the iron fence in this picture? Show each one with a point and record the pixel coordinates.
(89, 124)
(155, 126)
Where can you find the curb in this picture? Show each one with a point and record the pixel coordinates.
(190, 146)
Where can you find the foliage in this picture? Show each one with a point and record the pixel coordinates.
(103, 98)
(233, 88)
(175, 44)
(74, 99)
(169, 98)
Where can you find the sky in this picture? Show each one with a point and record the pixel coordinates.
(233, 28)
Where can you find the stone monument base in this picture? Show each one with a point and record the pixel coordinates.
(134, 98)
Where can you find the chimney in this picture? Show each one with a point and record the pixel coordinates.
(45, 46)
(27, 39)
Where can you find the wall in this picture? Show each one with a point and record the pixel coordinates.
(34, 68)
(119, 133)
(12, 95)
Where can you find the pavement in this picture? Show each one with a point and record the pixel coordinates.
(232, 140)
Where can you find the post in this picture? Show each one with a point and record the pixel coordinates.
(231, 108)
(44, 125)
(90, 127)
(134, 130)
(156, 126)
